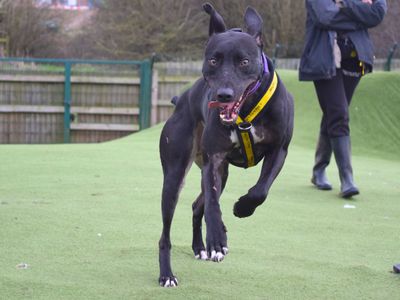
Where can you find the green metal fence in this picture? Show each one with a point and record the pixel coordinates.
(389, 59)
(4, 42)
(100, 73)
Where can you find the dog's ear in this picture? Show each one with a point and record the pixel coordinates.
(217, 24)
(254, 24)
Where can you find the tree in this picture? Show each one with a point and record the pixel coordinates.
(173, 29)
(178, 28)
(26, 28)
(138, 28)
(386, 34)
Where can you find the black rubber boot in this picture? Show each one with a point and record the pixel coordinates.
(396, 269)
(341, 149)
(323, 155)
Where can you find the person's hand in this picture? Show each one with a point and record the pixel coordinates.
(367, 1)
(339, 3)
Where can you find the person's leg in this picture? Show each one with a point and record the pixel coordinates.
(342, 149)
(334, 104)
(323, 151)
(350, 83)
(327, 95)
(333, 101)
(351, 80)
(351, 77)
(323, 155)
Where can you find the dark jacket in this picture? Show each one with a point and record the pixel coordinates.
(324, 19)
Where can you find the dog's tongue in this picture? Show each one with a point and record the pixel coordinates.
(214, 104)
(227, 112)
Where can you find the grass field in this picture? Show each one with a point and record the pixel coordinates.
(86, 218)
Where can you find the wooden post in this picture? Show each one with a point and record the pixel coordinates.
(145, 94)
(67, 103)
(154, 98)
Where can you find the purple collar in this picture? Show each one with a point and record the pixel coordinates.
(265, 71)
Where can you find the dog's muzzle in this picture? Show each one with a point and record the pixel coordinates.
(229, 111)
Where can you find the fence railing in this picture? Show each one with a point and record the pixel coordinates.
(174, 77)
(55, 100)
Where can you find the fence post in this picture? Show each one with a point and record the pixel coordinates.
(145, 94)
(154, 98)
(4, 46)
(275, 54)
(388, 64)
(67, 102)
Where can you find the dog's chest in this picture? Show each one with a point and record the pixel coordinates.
(241, 151)
(258, 136)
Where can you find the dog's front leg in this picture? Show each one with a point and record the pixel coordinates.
(212, 177)
(256, 195)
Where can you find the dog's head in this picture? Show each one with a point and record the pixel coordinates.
(233, 62)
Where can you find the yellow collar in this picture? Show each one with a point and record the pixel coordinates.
(261, 104)
(245, 136)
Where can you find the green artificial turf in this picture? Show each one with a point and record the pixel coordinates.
(86, 218)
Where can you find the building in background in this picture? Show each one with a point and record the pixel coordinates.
(69, 4)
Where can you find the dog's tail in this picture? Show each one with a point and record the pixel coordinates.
(208, 8)
(174, 100)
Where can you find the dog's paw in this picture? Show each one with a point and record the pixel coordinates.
(216, 256)
(168, 281)
(219, 256)
(217, 247)
(202, 255)
(243, 209)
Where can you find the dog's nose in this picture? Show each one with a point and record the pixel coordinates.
(225, 94)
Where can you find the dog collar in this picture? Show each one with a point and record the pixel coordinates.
(261, 103)
(244, 124)
(265, 71)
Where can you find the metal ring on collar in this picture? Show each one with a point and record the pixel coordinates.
(245, 126)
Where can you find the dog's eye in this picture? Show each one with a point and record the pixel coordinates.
(212, 62)
(244, 62)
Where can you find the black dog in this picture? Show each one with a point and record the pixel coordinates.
(238, 113)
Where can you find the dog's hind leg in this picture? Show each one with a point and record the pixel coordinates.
(176, 145)
(198, 213)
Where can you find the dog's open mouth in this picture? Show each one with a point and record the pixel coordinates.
(229, 112)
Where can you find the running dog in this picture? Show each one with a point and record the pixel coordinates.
(239, 113)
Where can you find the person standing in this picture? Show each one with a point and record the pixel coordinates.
(337, 53)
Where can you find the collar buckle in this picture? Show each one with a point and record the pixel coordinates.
(245, 126)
